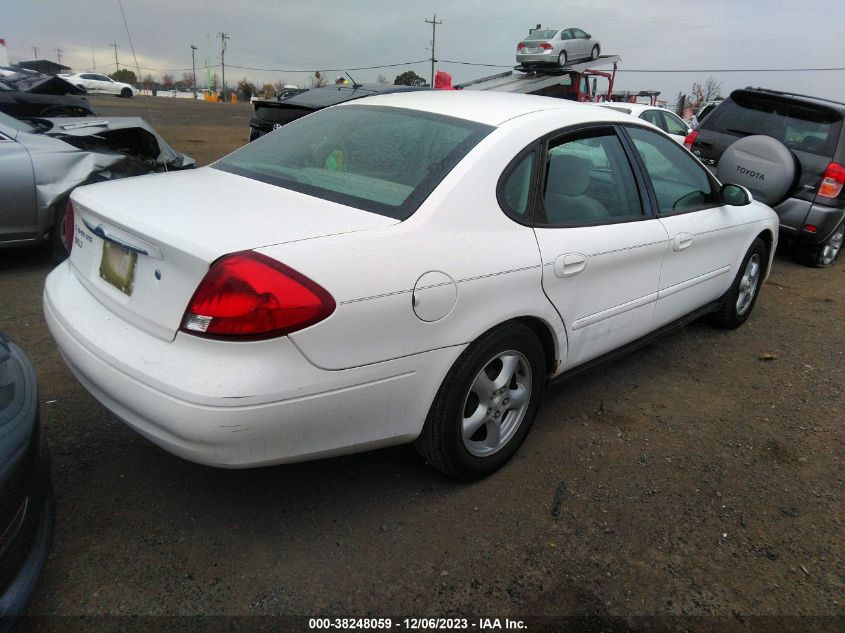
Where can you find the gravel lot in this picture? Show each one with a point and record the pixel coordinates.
(702, 475)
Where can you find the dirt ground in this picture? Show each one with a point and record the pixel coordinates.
(701, 476)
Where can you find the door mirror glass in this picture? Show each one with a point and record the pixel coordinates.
(735, 195)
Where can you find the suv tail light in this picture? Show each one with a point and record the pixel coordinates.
(690, 139)
(247, 295)
(832, 181)
(546, 46)
(69, 221)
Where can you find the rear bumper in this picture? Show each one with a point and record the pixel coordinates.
(537, 58)
(237, 405)
(795, 219)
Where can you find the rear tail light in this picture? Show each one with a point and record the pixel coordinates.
(811, 228)
(247, 295)
(546, 46)
(832, 181)
(520, 46)
(69, 222)
(690, 139)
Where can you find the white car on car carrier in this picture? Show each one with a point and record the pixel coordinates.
(408, 267)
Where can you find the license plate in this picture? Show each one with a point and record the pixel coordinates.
(117, 267)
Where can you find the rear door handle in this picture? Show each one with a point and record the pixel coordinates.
(570, 264)
(682, 241)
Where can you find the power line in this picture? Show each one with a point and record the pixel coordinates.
(131, 45)
(327, 70)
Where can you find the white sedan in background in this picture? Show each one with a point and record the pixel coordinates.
(665, 119)
(406, 268)
(101, 84)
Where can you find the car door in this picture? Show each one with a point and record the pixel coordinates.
(88, 81)
(601, 248)
(674, 126)
(582, 44)
(706, 236)
(18, 214)
(105, 84)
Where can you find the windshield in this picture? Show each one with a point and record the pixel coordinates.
(10, 122)
(801, 127)
(379, 159)
(542, 34)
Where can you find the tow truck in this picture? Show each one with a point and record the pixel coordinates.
(577, 81)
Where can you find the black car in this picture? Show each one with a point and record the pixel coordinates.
(30, 94)
(788, 150)
(290, 105)
(26, 496)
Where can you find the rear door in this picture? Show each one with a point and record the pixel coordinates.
(705, 236)
(601, 249)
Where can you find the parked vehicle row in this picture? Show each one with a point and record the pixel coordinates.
(665, 119)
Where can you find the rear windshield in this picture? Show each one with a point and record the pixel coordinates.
(544, 34)
(379, 159)
(800, 127)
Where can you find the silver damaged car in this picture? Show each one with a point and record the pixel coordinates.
(556, 46)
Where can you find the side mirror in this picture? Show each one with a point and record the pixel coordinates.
(589, 37)
(735, 195)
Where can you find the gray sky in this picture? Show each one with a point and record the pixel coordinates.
(321, 34)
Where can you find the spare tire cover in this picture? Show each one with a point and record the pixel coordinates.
(761, 164)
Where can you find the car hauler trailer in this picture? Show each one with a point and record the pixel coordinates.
(577, 82)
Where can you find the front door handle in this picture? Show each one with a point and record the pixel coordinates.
(570, 264)
(682, 241)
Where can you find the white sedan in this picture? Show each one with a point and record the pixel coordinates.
(665, 119)
(407, 268)
(101, 84)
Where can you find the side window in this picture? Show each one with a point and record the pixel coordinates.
(589, 181)
(679, 182)
(88, 76)
(653, 117)
(674, 125)
(516, 188)
(579, 34)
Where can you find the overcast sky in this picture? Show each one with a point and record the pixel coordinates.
(326, 34)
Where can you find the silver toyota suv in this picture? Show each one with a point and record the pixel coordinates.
(788, 150)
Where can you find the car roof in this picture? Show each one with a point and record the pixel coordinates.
(493, 108)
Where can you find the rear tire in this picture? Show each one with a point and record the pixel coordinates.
(595, 52)
(741, 297)
(61, 111)
(824, 254)
(486, 404)
(561, 59)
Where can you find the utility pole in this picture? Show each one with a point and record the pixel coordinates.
(59, 55)
(223, 37)
(434, 24)
(116, 64)
(194, 66)
(35, 50)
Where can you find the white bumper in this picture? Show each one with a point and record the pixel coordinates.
(237, 404)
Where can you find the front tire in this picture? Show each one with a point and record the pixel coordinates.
(740, 298)
(62, 111)
(58, 238)
(126, 93)
(486, 404)
(824, 254)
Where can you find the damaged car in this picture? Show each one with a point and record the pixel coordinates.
(28, 93)
(42, 160)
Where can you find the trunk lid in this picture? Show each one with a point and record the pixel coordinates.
(142, 245)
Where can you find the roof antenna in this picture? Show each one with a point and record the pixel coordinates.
(355, 84)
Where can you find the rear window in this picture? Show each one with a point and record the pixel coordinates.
(543, 34)
(379, 159)
(800, 127)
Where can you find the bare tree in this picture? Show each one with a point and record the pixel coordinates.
(701, 94)
(148, 82)
(680, 104)
(279, 85)
(382, 79)
(167, 81)
(188, 80)
(215, 81)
